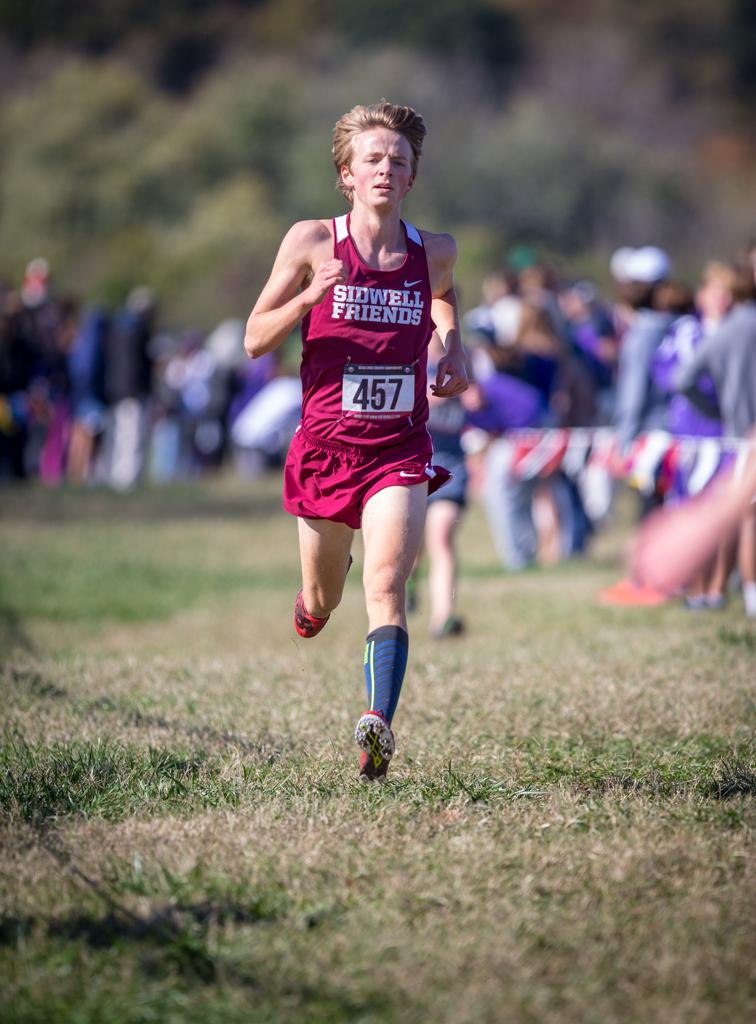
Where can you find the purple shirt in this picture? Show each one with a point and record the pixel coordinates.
(675, 350)
(510, 404)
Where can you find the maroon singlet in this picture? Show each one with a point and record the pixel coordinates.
(364, 349)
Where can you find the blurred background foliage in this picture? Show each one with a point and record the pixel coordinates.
(174, 143)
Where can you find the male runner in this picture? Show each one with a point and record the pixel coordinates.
(368, 289)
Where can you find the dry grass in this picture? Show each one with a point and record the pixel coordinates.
(566, 836)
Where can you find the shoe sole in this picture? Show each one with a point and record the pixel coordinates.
(373, 735)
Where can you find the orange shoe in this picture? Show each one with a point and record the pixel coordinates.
(628, 594)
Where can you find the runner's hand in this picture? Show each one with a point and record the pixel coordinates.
(451, 376)
(329, 273)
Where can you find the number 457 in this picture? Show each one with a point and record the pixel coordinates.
(377, 395)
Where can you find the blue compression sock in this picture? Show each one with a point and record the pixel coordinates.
(385, 664)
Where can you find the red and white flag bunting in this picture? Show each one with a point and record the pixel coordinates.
(653, 461)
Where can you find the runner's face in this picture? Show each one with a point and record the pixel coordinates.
(381, 168)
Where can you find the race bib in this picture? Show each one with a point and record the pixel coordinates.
(378, 392)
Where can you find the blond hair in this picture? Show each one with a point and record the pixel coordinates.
(717, 272)
(404, 120)
(738, 279)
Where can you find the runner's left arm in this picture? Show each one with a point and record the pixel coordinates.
(451, 375)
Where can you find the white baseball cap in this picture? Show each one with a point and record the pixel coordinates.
(618, 263)
(648, 264)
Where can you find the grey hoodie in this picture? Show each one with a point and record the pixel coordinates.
(639, 404)
(729, 355)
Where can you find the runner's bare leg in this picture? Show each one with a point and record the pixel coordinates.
(441, 525)
(324, 553)
(392, 528)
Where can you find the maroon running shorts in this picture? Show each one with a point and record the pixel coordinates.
(331, 480)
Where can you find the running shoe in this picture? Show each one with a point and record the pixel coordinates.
(310, 625)
(453, 626)
(376, 740)
(305, 624)
(632, 595)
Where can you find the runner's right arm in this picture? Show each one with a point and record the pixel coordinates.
(288, 294)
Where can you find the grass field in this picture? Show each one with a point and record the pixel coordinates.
(566, 836)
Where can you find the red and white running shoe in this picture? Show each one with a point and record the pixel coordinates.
(310, 625)
(305, 624)
(374, 737)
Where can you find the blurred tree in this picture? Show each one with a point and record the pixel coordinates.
(574, 127)
(742, 46)
(483, 31)
(97, 28)
(181, 39)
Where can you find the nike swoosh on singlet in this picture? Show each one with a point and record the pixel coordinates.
(409, 284)
(403, 473)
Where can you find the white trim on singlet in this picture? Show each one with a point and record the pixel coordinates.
(340, 225)
(342, 230)
(413, 233)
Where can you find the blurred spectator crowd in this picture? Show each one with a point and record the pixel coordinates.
(105, 397)
(97, 396)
